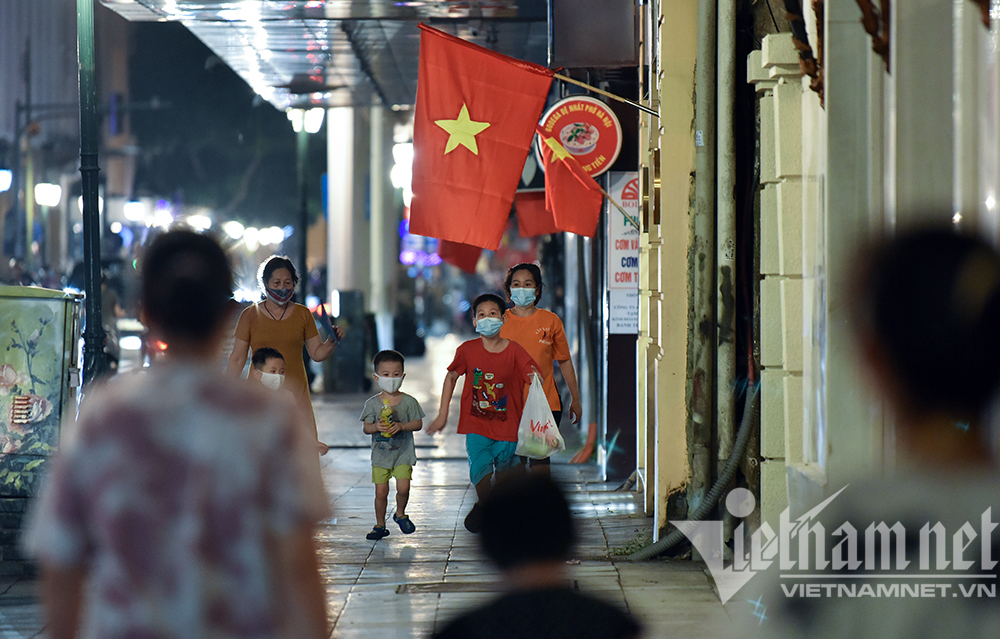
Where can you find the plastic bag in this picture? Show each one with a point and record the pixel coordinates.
(538, 434)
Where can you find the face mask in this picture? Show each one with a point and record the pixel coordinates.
(272, 380)
(389, 384)
(488, 326)
(280, 296)
(522, 297)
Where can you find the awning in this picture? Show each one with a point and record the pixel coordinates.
(303, 53)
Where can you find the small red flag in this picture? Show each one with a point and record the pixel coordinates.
(571, 194)
(474, 122)
(532, 216)
(463, 256)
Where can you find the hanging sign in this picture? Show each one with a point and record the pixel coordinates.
(588, 129)
(623, 254)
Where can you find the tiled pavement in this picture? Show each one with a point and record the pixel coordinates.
(404, 585)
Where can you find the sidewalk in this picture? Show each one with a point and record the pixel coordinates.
(406, 585)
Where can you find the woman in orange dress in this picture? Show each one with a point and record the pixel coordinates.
(279, 323)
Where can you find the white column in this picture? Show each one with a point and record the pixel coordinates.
(382, 232)
(340, 198)
(921, 108)
(848, 425)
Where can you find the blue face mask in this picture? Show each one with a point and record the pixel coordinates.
(522, 297)
(488, 326)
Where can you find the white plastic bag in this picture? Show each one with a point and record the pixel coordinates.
(538, 434)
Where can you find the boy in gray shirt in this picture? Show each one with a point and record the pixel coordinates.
(391, 417)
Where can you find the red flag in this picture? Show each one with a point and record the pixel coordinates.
(474, 122)
(570, 193)
(463, 256)
(532, 216)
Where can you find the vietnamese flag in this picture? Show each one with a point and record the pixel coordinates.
(532, 217)
(573, 196)
(464, 256)
(473, 126)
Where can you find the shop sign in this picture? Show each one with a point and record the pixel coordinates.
(588, 129)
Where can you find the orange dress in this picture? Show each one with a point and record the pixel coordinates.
(543, 336)
(287, 336)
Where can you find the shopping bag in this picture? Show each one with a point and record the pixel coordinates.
(538, 434)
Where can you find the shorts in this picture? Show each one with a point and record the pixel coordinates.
(487, 456)
(382, 475)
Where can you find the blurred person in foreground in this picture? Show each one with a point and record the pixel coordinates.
(528, 533)
(906, 555)
(185, 500)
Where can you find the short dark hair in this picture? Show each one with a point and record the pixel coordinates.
(536, 274)
(387, 356)
(488, 297)
(272, 264)
(929, 298)
(526, 519)
(264, 353)
(182, 270)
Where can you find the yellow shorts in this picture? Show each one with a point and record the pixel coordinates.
(382, 475)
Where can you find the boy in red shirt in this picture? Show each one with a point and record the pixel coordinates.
(492, 398)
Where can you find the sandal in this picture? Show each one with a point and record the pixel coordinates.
(378, 532)
(405, 524)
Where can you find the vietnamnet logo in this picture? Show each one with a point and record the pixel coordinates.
(817, 560)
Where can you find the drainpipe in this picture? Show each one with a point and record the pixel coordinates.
(725, 372)
(701, 263)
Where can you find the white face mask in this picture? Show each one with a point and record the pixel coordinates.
(389, 384)
(272, 380)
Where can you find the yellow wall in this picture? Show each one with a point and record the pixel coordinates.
(664, 328)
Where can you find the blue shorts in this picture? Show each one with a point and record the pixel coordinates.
(488, 455)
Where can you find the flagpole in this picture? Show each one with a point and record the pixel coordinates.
(618, 206)
(606, 94)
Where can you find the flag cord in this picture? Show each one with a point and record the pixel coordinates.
(606, 94)
(618, 206)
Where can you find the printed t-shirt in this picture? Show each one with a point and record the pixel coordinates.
(493, 394)
(173, 488)
(398, 450)
(543, 336)
(287, 336)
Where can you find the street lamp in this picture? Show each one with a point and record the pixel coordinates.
(304, 122)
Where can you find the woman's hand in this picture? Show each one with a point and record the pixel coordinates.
(320, 351)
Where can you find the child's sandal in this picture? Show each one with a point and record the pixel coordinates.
(405, 524)
(378, 532)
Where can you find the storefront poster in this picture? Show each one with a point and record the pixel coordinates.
(623, 253)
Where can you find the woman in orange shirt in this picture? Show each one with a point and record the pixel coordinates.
(541, 333)
(279, 323)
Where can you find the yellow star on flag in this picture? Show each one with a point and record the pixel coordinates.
(462, 131)
(559, 152)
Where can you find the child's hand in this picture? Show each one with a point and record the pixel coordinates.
(389, 429)
(436, 425)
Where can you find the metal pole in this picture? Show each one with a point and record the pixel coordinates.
(302, 138)
(29, 170)
(94, 362)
